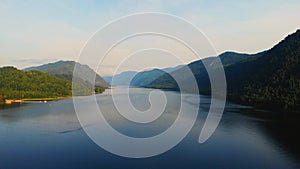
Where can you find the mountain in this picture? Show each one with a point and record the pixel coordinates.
(172, 69)
(229, 58)
(18, 84)
(64, 70)
(199, 72)
(143, 78)
(270, 79)
(122, 79)
(138, 79)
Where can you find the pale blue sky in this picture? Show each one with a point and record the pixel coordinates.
(36, 32)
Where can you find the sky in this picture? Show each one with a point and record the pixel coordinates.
(38, 32)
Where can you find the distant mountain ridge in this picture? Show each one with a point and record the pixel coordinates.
(199, 72)
(64, 70)
(122, 79)
(143, 78)
(138, 79)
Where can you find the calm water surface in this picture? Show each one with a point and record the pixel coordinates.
(48, 135)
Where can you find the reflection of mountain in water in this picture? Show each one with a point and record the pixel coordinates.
(285, 133)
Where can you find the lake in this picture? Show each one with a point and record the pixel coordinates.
(48, 135)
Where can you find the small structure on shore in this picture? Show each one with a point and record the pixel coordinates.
(8, 101)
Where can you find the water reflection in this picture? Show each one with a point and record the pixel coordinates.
(48, 135)
(285, 134)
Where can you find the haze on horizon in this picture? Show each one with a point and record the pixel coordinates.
(38, 32)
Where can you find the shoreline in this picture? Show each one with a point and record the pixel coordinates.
(46, 99)
(20, 101)
(24, 100)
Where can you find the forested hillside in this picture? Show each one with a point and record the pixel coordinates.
(272, 80)
(17, 84)
(269, 79)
